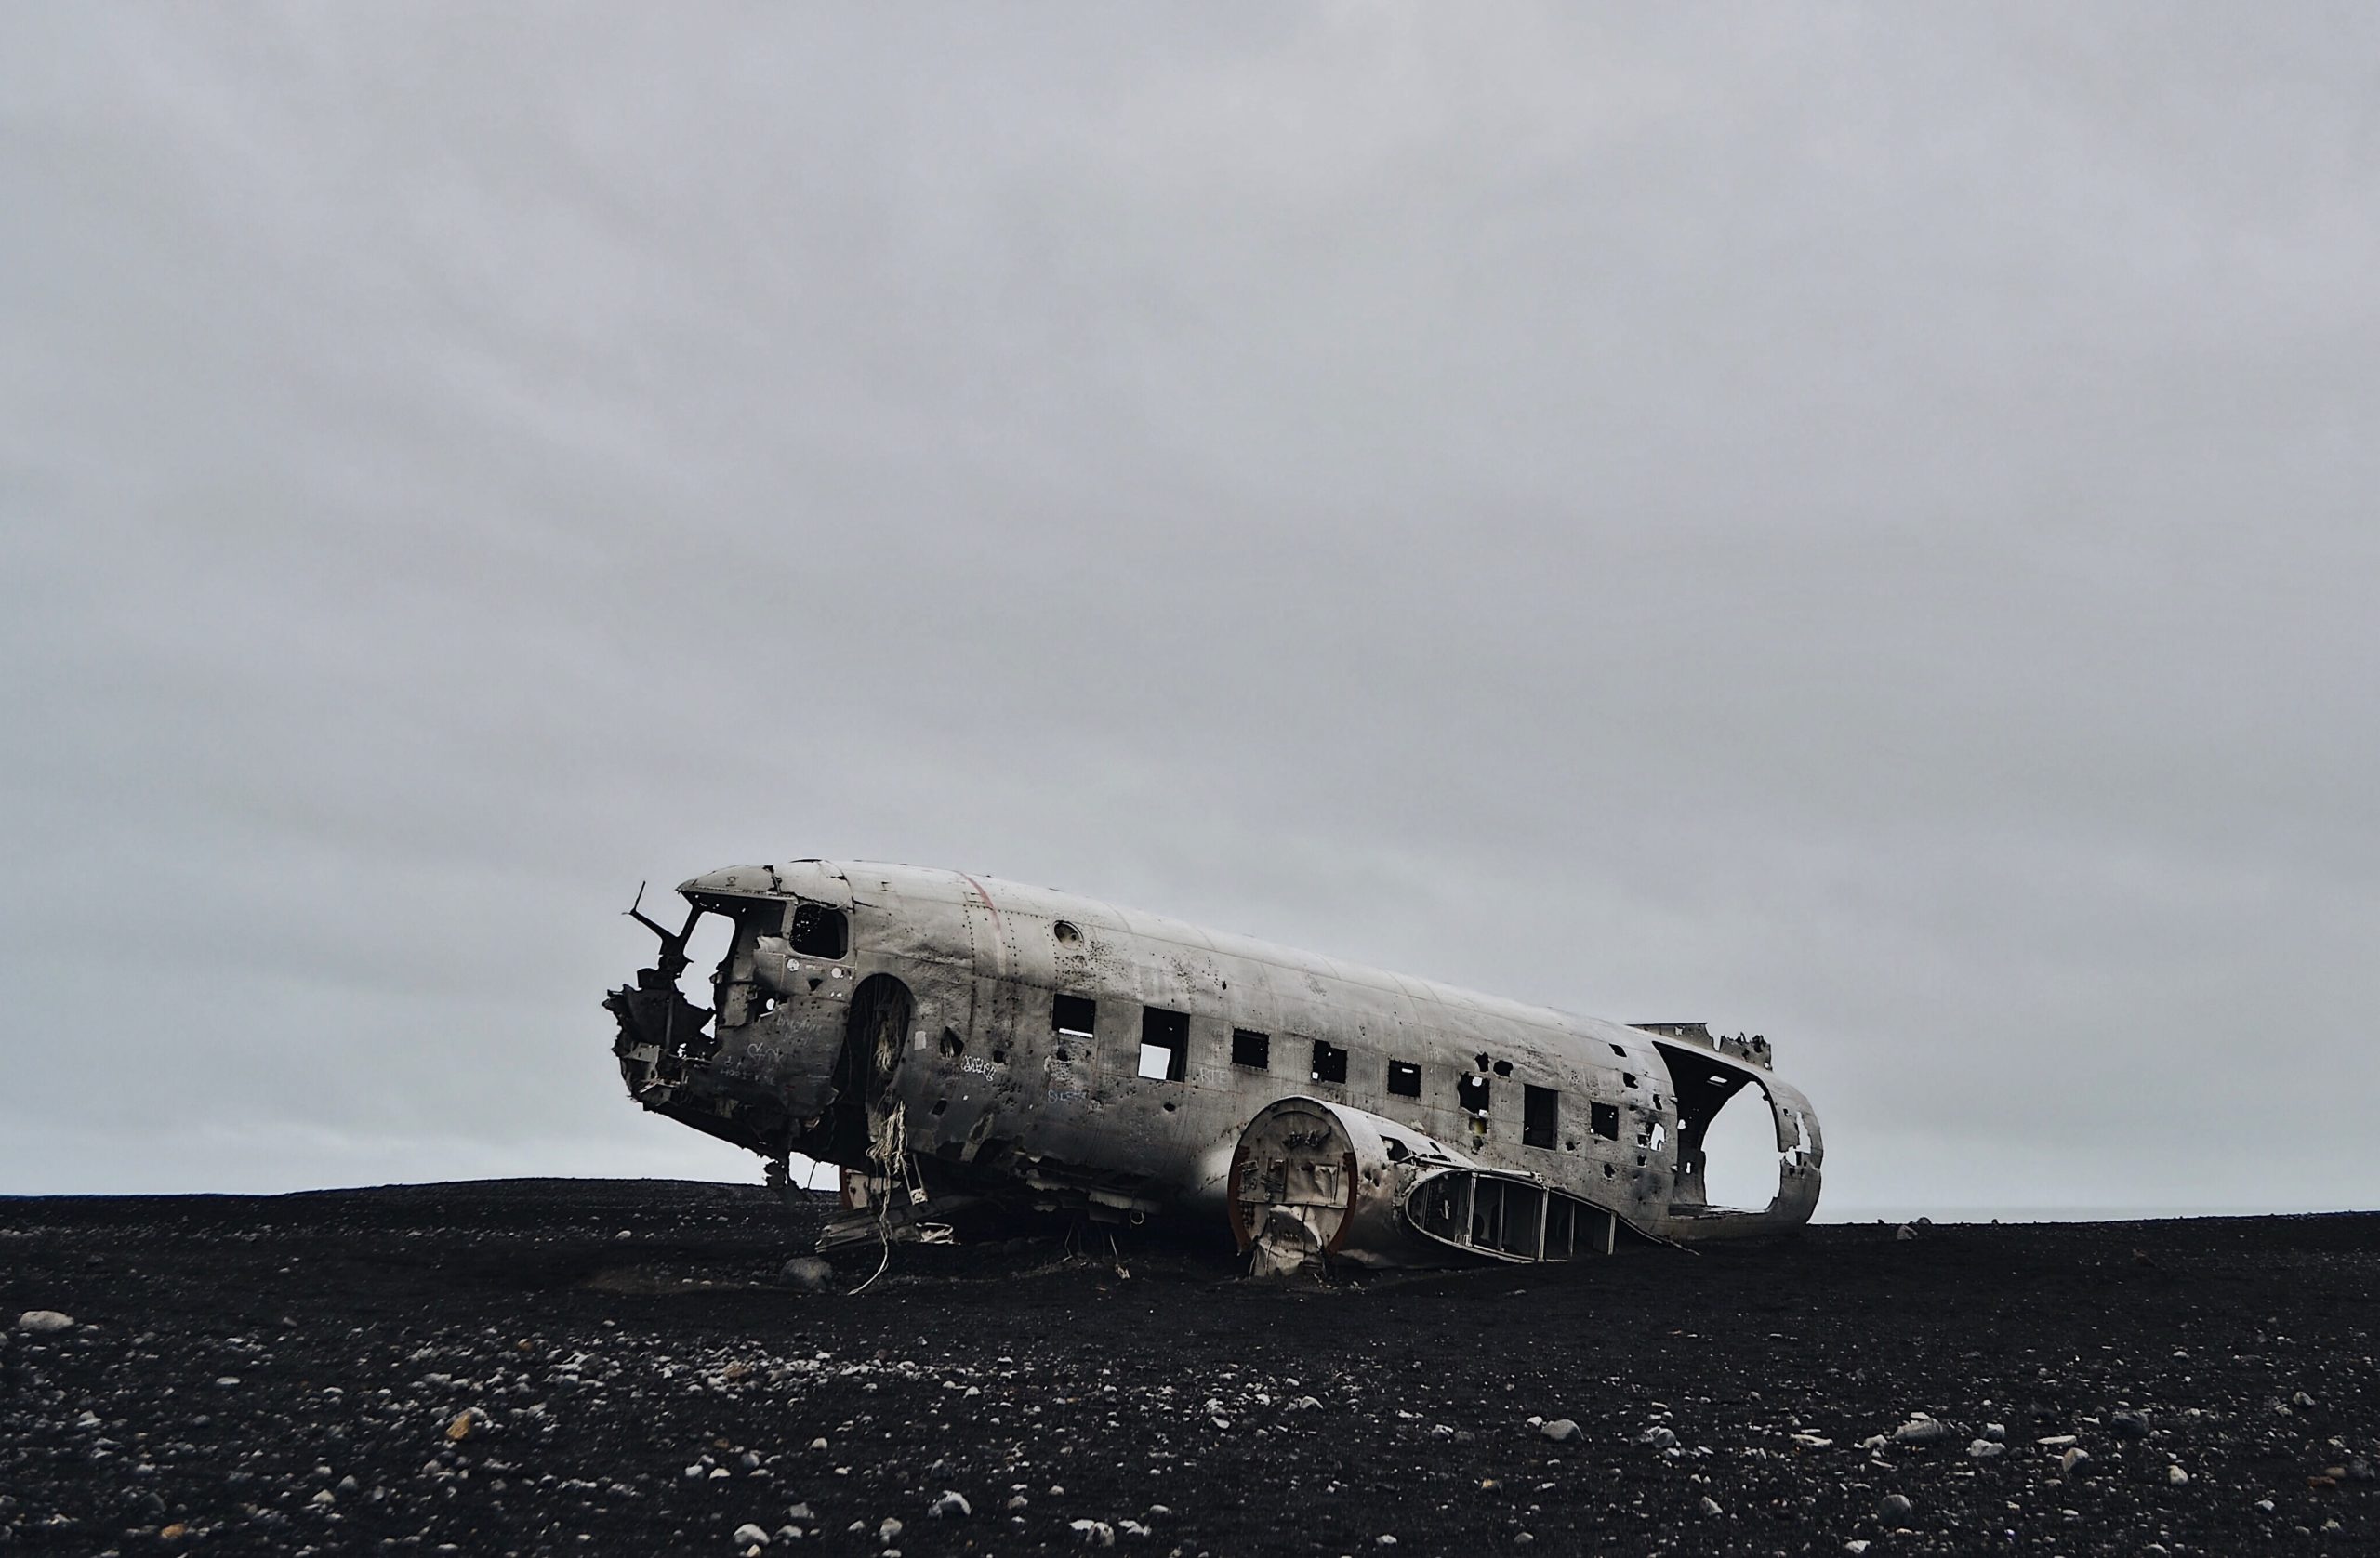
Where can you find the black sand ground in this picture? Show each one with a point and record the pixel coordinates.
(492, 1369)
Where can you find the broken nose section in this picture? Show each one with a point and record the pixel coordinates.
(665, 1044)
(738, 1087)
(756, 1069)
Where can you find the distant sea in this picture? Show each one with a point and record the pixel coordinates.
(2052, 1214)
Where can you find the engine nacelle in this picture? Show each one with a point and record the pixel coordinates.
(1315, 1182)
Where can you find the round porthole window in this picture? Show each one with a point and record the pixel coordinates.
(1065, 931)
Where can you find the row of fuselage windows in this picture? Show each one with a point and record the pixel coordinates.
(1165, 1057)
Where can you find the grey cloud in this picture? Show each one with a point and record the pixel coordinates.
(1852, 524)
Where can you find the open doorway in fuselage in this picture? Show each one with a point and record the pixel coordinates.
(862, 1121)
(1728, 1159)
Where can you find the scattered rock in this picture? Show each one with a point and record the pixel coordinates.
(44, 1322)
(2128, 1425)
(1661, 1436)
(2074, 1461)
(750, 1535)
(1561, 1431)
(1904, 1232)
(889, 1529)
(2175, 1476)
(1985, 1449)
(1709, 1506)
(1094, 1533)
(807, 1273)
(1922, 1429)
(950, 1506)
(1894, 1508)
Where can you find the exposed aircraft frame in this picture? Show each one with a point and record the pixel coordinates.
(959, 1044)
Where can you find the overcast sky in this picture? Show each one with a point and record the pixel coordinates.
(1855, 523)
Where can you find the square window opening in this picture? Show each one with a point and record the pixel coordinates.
(1165, 1044)
(1604, 1117)
(1329, 1062)
(1471, 1094)
(1073, 1016)
(1540, 1115)
(1404, 1079)
(1251, 1049)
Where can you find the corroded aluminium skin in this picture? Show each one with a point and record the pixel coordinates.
(931, 1036)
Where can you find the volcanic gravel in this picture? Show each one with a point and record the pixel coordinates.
(612, 1367)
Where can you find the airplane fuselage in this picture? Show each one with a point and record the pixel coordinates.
(1069, 1054)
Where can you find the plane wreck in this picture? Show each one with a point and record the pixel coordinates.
(962, 1047)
